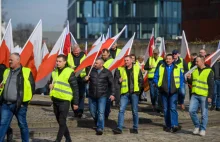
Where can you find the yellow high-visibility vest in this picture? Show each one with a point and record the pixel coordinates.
(199, 83)
(62, 89)
(27, 85)
(153, 63)
(108, 63)
(124, 84)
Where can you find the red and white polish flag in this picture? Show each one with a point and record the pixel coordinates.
(6, 45)
(184, 51)
(150, 47)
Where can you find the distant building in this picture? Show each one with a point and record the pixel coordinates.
(90, 18)
(201, 19)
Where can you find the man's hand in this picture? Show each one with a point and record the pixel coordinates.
(87, 78)
(120, 80)
(112, 98)
(209, 100)
(75, 107)
(150, 67)
(188, 76)
(51, 86)
(1, 85)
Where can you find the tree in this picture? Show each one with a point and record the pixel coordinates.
(21, 33)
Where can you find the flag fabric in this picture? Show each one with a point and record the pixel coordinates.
(6, 45)
(31, 53)
(90, 58)
(73, 40)
(107, 35)
(44, 52)
(48, 65)
(109, 42)
(184, 51)
(150, 47)
(119, 60)
(96, 42)
(16, 49)
(162, 49)
(211, 59)
(67, 43)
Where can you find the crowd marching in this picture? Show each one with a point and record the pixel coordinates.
(167, 77)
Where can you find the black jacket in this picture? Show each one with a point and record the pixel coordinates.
(20, 89)
(131, 85)
(2, 69)
(101, 83)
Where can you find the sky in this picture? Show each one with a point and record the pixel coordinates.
(52, 12)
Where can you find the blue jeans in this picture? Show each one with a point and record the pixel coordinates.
(195, 102)
(97, 110)
(153, 93)
(216, 96)
(108, 107)
(133, 98)
(170, 109)
(7, 112)
(181, 94)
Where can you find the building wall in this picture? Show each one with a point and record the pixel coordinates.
(89, 19)
(201, 19)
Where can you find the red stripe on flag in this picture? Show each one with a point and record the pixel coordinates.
(26, 53)
(46, 67)
(4, 54)
(119, 63)
(67, 44)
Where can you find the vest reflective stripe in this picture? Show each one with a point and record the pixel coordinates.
(199, 84)
(108, 63)
(180, 65)
(62, 89)
(176, 75)
(27, 96)
(124, 83)
(189, 65)
(117, 52)
(153, 63)
(71, 63)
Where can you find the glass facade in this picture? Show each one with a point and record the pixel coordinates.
(90, 18)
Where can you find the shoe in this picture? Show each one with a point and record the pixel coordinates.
(167, 129)
(79, 115)
(196, 131)
(175, 129)
(202, 133)
(145, 99)
(68, 140)
(217, 109)
(9, 135)
(135, 131)
(212, 107)
(117, 131)
(99, 132)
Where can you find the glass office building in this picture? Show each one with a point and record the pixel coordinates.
(90, 18)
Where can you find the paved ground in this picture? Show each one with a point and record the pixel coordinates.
(43, 126)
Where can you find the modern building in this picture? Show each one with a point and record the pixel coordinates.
(201, 19)
(90, 18)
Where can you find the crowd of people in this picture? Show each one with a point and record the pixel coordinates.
(124, 86)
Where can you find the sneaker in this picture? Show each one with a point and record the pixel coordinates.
(135, 131)
(117, 131)
(175, 129)
(167, 129)
(196, 131)
(99, 132)
(202, 133)
(217, 109)
(212, 107)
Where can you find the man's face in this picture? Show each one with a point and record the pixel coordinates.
(105, 55)
(128, 61)
(133, 59)
(169, 60)
(98, 64)
(60, 63)
(114, 46)
(192, 58)
(202, 52)
(14, 61)
(76, 51)
(199, 62)
(155, 54)
(140, 60)
(175, 56)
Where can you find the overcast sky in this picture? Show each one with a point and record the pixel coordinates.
(52, 12)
